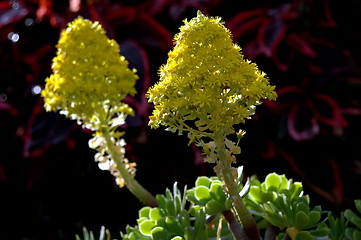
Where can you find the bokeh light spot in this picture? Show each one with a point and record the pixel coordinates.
(36, 90)
(3, 97)
(28, 22)
(14, 37)
(15, 5)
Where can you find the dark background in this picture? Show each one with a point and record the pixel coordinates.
(50, 185)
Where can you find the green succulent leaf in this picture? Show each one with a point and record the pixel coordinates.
(177, 238)
(137, 236)
(240, 173)
(255, 192)
(200, 225)
(191, 196)
(144, 212)
(214, 207)
(162, 201)
(281, 236)
(267, 196)
(177, 203)
(171, 209)
(187, 233)
(159, 233)
(320, 233)
(304, 235)
(139, 220)
(302, 207)
(168, 195)
(161, 223)
(272, 182)
(217, 193)
(296, 189)
(276, 220)
(156, 213)
(202, 194)
(358, 205)
(145, 227)
(349, 233)
(284, 182)
(314, 217)
(337, 226)
(203, 181)
(245, 189)
(86, 234)
(281, 203)
(172, 225)
(356, 235)
(301, 220)
(194, 209)
(353, 218)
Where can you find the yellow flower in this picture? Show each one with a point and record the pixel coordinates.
(89, 77)
(206, 86)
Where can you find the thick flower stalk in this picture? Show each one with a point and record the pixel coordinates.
(206, 88)
(89, 81)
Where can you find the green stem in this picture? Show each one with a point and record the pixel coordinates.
(134, 187)
(249, 225)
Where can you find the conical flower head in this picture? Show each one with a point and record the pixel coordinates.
(207, 80)
(89, 77)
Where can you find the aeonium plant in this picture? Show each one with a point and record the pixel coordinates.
(206, 89)
(89, 81)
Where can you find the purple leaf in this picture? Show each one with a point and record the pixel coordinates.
(328, 111)
(302, 123)
(44, 130)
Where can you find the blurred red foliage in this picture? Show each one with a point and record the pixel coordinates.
(49, 183)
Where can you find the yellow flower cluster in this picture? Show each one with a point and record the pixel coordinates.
(206, 86)
(89, 77)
